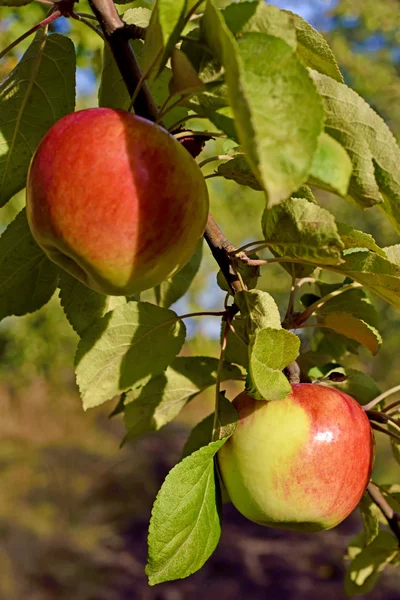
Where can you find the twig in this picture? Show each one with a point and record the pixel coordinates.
(392, 407)
(391, 516)
(392, 435)
(381, 397)
(381, 417)
(214, 159)
(221, 248)
(88, 23)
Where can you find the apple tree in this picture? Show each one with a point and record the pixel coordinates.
(264, 87)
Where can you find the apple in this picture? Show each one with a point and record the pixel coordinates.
(302, 463)
(115, 200)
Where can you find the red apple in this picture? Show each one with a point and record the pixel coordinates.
(115, 200)
(301, 463)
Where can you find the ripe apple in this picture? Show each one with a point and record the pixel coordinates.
(301, 463)
(115, 200)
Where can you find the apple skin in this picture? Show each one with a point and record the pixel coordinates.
(115, 200)
(302, 463)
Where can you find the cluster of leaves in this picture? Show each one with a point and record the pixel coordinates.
(269, 83)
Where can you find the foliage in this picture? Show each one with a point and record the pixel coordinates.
(269, 85)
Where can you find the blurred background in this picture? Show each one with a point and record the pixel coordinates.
(74, 507)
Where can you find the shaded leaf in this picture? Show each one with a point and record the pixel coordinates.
(236, 348)
(124, 347)
(271, 350)
(184, 77)
(227, 418)
(82, 306)
(28, 279)
(370, 520)
(331, 167)
(166, 24)
(159, 401)
(170, 290)
(185, 524)
(38, 91)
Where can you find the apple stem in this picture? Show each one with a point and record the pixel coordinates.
(391, 516)
(381, 397)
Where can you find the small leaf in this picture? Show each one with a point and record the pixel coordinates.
(82, 306)
(353, 328)
(277, 112)
(364, 571)
(352, 238)
(159, 401)
(238, 169)
(302, 230)
(259, 310)
(185, 525)
(370, 144)
(184, 77)
(166, 24)
(331, 168)
(125, 347)
(28, 279)
(370, 520)
(38, 91)
(174, 288)
(271, 350)
(313, 50)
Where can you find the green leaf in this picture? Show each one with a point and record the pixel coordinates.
(278, 114)
(331, 167)
(302, 230)
(313, 50)
(236, 348)
(174, 288)
(370, 520)
(159, 401)
(364, 571)
(271, 350)
(184, 77)
(185, 525)
(259, 310)
(353, 301)
(28, 279)
(123, 348)
(370, 144)
(357, 384)
(391, 492)
(374, 272)
(353, 238)
(353, 328)
(238, 169)
(199, 437)
(395, 428)
(38, 91)
(166, 24)
(82, 306)
(227, 418)
(113, 92)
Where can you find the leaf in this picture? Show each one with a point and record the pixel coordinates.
(370, 144)
(278, 114)
(113, 92)
(302, 230)
(393, 254)
(370, 520)
(357, 384)
(185, 524)
(353, 238)
(159, 401)
(331, 167)
(174, 288)
(364, 571)
(184, 77)
(14, 2)
(199, 437)
(395, 428)
(271, 350)
(391, 492)
(374, 272)
(258, 309)
(124, 347)
(236, 348)
(38, 91)
(313, 50)
(353, 301)
(227, 418)
(238, 169)
(353, 328)
(82, 306)
(166, 24)
(28, 279)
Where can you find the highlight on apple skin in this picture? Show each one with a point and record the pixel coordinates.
(302, 463)
(115, 200)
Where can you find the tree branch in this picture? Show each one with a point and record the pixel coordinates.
(392, 517)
